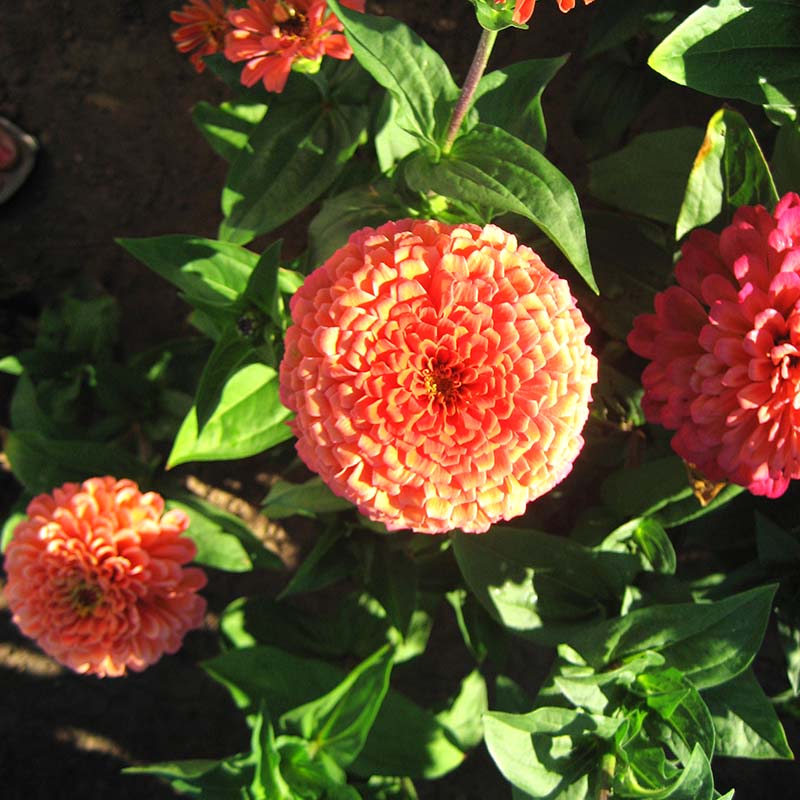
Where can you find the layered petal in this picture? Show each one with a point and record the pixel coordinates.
(96, 576)
(724, 347)
(439, 375)
(273, 35)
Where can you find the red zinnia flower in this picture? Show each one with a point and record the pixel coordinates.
(725, 350)
(439, 374)
(96, 577)
(271, 35)
(203, 28)
(523, 10)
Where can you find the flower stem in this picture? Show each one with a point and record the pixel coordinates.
(608, 766)
(476, 69)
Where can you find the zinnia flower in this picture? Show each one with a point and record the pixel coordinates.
(725, 350)
(203, 28)
(96, 577)
(523, 10)
(272, 35)
(439, 374)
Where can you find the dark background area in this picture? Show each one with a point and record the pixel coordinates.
(101, 87)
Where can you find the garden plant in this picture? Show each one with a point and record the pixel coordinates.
(563, 426)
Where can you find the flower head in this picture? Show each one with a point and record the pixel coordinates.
(272, 35)
(724, 346)
(439, 374)
(523, 9)
(96, 577)
(203, 28)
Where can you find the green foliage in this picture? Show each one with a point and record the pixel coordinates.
(493, 172)
(657, 601)
(413, 73)
(293, 155)
(729, 171)
(624, 179)
(733, 48)
(511, 98)
(248, 419)
(403, 740)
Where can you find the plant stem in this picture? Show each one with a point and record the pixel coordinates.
(608, 766)
(476, 69)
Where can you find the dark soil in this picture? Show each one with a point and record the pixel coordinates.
(101, 87)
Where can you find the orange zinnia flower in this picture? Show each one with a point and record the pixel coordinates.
(724, 347)
(439, 374)
(96, 577)
(272, 35)
(523, 10)
(203, 28)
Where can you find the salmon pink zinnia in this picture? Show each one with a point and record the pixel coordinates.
(272, 35)
(439, 374)
(724, 346)
(203, 28)
(96, 577)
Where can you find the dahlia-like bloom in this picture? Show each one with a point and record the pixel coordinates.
(96, 577)
(523, 10)
(272, 35)
(724, 347)
(439, 374)
(203, 28)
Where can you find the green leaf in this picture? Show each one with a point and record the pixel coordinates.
(729, 171)
(292, 157)
(776, 547)
(463, 718)
(622, 20)
(268, 783)
(680, 705)
(355, 627)
(226, 127)
(206, 271)
(628, 276)
(339, 722)
(389, 788)
(248, 419)
(304, 499)
(393, 579)
(492, 168)
(204, 778)
(400, 61)
(645, 489)
(342, 215)
(9, 526)
(404, 740)
(482, 635)
(625, 179)
(737, 48)
(494, 17)
(511, 98)
(326, 564)
(223, 541)
(508, 570)
(745, 720)
(709, 642)
(786, 158)
(392, 142)
(230, 352)
(547, 750)
(41, 464)
(647, 537)
(10, 365)
(608, 97)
